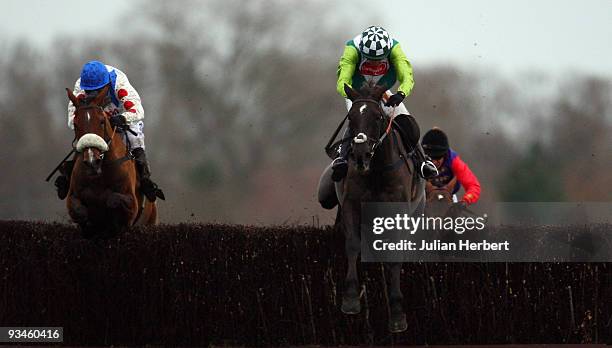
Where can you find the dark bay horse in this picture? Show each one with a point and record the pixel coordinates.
(373, 176)
(104, 197)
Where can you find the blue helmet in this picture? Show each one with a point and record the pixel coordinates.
(94, 76)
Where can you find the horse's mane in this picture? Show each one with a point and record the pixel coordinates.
(85, 101)
(89, 97)
(368, 89)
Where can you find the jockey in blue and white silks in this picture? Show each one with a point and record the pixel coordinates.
(124, 99)
(125, 110)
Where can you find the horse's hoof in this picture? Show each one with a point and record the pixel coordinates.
(351, 305)
(397, 323)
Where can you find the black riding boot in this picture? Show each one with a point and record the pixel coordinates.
(410, 132)
(340, 164)
(62, 182)
(147, 186)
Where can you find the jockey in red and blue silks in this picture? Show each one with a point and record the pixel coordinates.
(450, 165)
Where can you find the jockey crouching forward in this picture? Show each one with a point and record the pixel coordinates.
(125, 110)
(374, 57)
(449, 164)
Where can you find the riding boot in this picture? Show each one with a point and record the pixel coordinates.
(428, 169)
(62, 182)
(340, 164)
(147, 186)
(410, 132)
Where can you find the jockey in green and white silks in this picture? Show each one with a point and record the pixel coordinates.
(356, 68)
(374, 57)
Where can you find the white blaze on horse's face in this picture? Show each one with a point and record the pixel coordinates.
(91, 155)
(88, 117)
(362, 109)
(360, 138)
(440, 197)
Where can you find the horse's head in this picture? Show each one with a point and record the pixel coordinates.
(438, 194)
(366, 122)
(91, 127)
(439, 199)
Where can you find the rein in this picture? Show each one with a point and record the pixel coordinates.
(382, 137)
(330, 148)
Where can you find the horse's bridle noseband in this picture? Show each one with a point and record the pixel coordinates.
(332, 147)
(374, 143)
(107, 139)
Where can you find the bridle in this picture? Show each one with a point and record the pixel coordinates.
(106, 138)
(362, 137)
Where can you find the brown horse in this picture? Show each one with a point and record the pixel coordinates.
(104, 197)
(439, 199)
(379, 171)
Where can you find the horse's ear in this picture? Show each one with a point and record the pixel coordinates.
(351, 93)
(72, 98)
(99, 100)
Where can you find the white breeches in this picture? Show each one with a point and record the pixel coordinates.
(137, 140)
(389, 111)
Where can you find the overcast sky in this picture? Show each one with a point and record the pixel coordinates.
(518, 35)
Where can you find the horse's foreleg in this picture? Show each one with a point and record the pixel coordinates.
(78, 213)
(350, 299)
(124, 208)
(397, 319)
(76, 210)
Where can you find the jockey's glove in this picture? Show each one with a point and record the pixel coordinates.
(395, 99)
(118, 121)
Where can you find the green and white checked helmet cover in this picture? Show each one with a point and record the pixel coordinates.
(375, 42)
